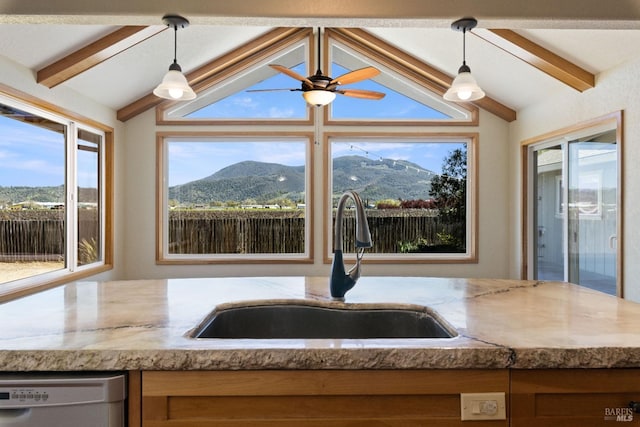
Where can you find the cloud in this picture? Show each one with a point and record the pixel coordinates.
(245, 102)
(281, 113)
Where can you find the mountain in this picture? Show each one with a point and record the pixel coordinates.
(53, 194)
(381, 179)
(372, 179)
(242, 181)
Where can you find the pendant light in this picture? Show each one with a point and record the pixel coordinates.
(174, 85)
(464, 87)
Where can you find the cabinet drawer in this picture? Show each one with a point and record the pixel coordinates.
(314, 398)
(573, 397)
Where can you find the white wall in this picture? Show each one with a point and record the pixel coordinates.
(138, 198)
(615, 90)
(18, 77)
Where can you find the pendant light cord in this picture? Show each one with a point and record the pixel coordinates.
(175, 44)
(464, 46)
(318, 70)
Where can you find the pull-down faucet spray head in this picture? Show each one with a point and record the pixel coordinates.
(342, 281)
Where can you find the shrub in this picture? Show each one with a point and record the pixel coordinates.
(418, 204)
(388, 204)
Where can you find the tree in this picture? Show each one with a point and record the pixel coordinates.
(449, 190)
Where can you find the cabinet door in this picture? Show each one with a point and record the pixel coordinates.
(574, 397)
(314, 398)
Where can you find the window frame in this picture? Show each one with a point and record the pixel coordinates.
(418, 74)
(162, 255)
(425, 258)
(74, 122)
(242, 60)
(398, 62)
(613, 121)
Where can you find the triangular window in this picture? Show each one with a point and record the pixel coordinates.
(251, 91)
(406, 100)
(261, 104)
(248, 90)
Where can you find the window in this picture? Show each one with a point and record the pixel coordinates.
(242, 88)
(409, 100)
(420, 188)
(235, 197)
(417, 191)
(52, 196)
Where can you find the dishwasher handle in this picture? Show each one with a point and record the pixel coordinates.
(14, 416)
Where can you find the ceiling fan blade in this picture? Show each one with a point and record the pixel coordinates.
(273, 90)
(291, 73)
(356, 76)
(364, 94)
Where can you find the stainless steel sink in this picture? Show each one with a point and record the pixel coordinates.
(310, 319)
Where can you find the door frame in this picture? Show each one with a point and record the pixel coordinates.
(614, 119)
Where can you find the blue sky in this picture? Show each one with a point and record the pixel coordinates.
(30, 155)
(285, 104)
(34, 156)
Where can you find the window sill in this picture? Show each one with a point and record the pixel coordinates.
(23, 287)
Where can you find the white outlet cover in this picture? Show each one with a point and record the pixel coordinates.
(483, 406)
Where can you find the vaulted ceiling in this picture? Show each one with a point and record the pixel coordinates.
(118, 59)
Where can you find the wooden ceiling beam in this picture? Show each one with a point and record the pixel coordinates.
(95, 53)
(539, 57)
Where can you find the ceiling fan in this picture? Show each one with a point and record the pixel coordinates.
(320, 90)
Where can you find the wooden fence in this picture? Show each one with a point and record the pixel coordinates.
(256, 234)
(41, 237)
(236, 235)
(31, 240)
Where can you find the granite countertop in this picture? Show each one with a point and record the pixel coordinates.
(144, 325)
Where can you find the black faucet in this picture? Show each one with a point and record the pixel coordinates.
(342, 281)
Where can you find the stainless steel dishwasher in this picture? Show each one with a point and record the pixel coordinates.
(62, 400)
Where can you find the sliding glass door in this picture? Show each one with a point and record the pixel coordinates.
(574, 210)
(593, 208)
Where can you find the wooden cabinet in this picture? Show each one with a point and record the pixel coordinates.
(314, 398)
(574, 397)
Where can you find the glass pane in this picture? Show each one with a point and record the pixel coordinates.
(394, 106)
(280, 103)
(404, 100)
(32, 194)
(258, 93)
(88, 176)
(236, 196)
(415, 193)
(549, 215)
(593, 212)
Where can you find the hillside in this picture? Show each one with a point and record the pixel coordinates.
(372, 179)
(54, 194)
(260, 181)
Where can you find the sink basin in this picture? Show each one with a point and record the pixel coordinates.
(302, 319)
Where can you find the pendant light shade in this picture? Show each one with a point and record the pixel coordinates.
(464, 87)
(174, 85)
(318, 97)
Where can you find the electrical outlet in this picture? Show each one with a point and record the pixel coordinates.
(483, 406)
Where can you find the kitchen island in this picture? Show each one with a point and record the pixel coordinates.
(503, 327)
(144, 324)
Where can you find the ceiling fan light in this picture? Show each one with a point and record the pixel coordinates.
(174, 86)
(464, 89)
(318, 97)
